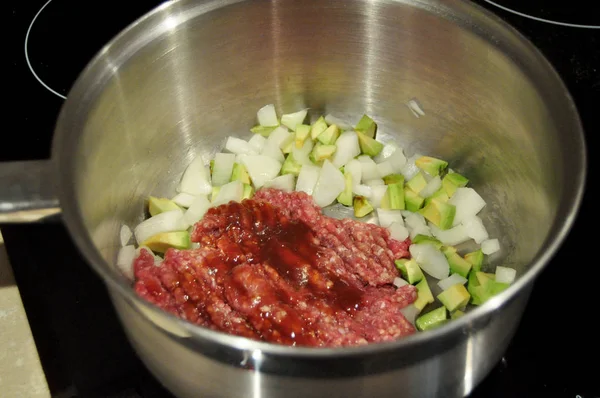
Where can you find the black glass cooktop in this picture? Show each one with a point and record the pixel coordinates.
(82, 347)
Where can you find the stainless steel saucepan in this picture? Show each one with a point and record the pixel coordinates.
(177, 81)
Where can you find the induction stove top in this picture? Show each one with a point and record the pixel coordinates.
(82, 348)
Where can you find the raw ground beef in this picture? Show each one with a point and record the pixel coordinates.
(274, 268)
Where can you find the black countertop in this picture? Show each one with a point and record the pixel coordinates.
(82, 347)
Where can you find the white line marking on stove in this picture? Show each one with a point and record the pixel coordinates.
(27, 55)
(571, 25)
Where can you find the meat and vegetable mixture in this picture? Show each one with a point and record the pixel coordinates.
(245, 248)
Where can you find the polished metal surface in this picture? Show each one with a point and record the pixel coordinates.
(27, 191)
(182, 78)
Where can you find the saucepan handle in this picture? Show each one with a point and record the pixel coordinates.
(27, 191)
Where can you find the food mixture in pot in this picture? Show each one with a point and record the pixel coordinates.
(245, 247)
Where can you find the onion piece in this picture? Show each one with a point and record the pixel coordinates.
(399, 282)
(301, 154)
(222, 168)
(420, 230)
(168, 221)
(362, 190)
(432, 186)
(475, 229)
(233, 191)
(415, 108)
(196, 178)
(239, 146)
(272, 150)
(398, 160)
(125, 235)
(410, 169)
(197, 209)
(292, 120)
(386, 152)
(387, 217)
(410, 312)
(125, 259)
(398, 231)
(505, 274)
(375, 182)
(278, 136)
(369, 168)
(468, 203)
(307, 179)
(329, 185)
(413, 220)
(347, 149)
(257, 142)
(267, 116)
(261, 168)
(430, 259)
(355, 169)
(385, 168)
(377, 194)
(331, 119)
(490, 246)
(454, 279)
(450, 237)
(284, 183)
(183, 199)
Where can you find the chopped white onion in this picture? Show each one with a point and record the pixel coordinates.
(272, 150)
(329, 185)
(377, 194)
(475, 229)
(399, 282)
(196, 210)
(292, 120)
(233, 191)
(267, 116)
(307, 179)
(239, 146)
(261, 169)
(375, 182)
(505, 274)
(277, 136)
(386, 152)
(490, 246)
(347, 148)
(222, 168)
(125, 235)
(398, 160)
(183, 199)
(196, 178)
(194, 245)
(413, 220)
(168, 221)
(355, 169)
(387, 217)
(330, 119)
(398, 231)
(450, 237)
(284, 183)
(420, 230)
(369, 168)
(410, 169)
(257, 142)
(415, 108)
(454, 279)
(430, 259)
(362, 190)
(468, 203)
(125, 259)
(385, 168)
(301, 154)
(432, 186)
(410, 312)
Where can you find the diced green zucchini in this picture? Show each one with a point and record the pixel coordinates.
(452, 181)
(366, 126)
(430, 165)
(160, 205)
(240, 173)
(248, 191)
(265, 131)
(476, 259)
(369, 146)
(362, 207)
(410, 270)
(440, 195)
(161, 242)
(455, 297)
(456, 314)
(458, 265)
(412, 200)
(417, 183)
(393, 179)
(215, 193)
(441, 214)
(330, 135)
(345, 197)
(427, 239)
(302, 133)
(321, 152)
(424, 295)
(291, 165)
(432, 319)
(318, 127)
(394, 197)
